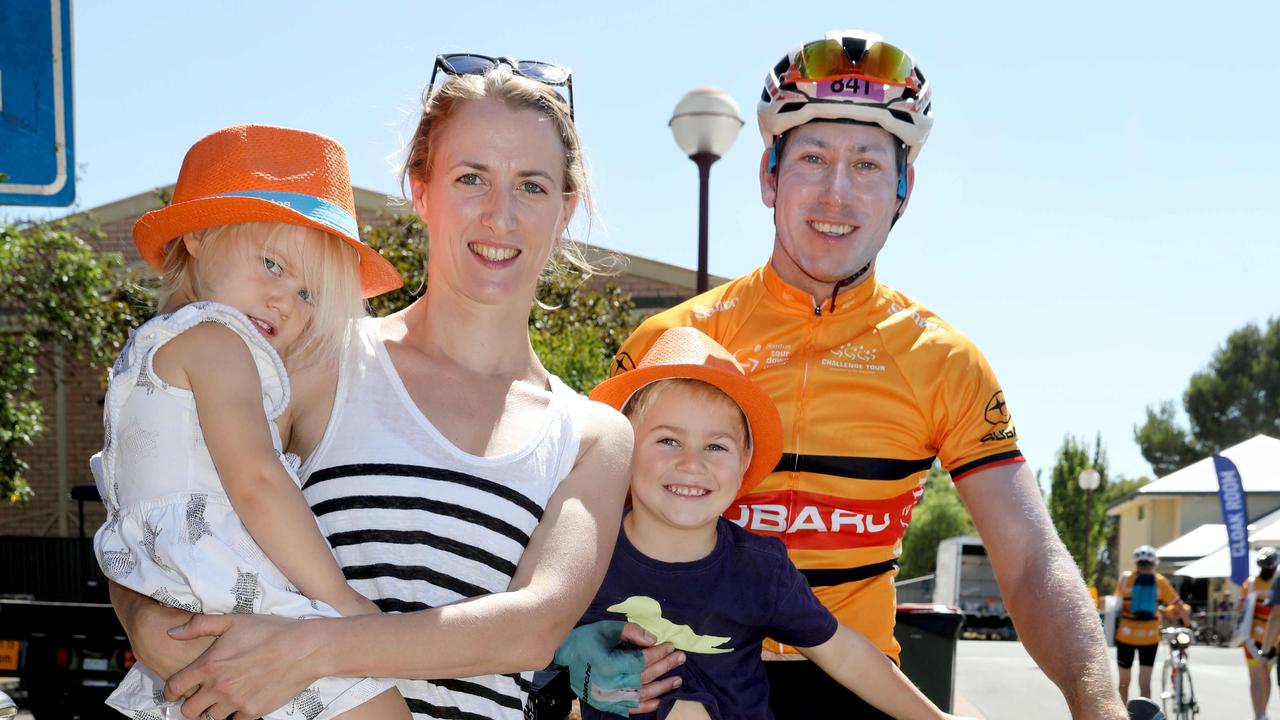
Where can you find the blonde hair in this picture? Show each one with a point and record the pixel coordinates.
(330, 271)
(519, 93)
(644, 398)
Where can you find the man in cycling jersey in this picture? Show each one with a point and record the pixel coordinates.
(871, 385)
(1142, 593)
(1255, 605)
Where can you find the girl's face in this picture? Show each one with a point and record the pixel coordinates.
(260, 279)
(495, 201)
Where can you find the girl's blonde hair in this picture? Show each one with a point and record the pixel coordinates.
(330, 272)
(519, 93)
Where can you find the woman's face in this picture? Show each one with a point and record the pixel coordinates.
(495, 201)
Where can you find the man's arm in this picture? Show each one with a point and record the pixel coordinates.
(1042, 588)
(851, 660)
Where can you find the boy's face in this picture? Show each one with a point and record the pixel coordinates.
(690, 453)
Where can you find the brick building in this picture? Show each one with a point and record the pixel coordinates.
(60, 459)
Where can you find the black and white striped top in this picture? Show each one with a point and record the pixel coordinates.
(417, 523)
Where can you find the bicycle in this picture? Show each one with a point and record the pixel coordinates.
(1177, 693)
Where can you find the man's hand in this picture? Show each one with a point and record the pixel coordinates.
(608, 675)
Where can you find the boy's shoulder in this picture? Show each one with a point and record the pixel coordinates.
(745, 541)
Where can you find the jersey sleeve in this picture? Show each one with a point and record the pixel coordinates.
(1167, 595)
(1273, 595)
(973, 427)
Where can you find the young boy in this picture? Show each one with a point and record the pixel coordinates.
(704, 435)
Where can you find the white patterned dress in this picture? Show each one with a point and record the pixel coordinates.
(171, 532)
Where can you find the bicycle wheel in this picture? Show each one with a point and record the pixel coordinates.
(1168, 701)
(1189, 695)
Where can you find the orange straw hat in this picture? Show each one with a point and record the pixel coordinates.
(260, 173)
(683, 352)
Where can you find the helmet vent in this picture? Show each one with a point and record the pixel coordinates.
(791, 107)
(902, 115)
(854, 48)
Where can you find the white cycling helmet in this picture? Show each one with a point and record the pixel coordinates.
(848, 75)
(1145, 553)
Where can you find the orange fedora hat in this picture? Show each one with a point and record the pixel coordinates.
(260, 173)
(683, 352)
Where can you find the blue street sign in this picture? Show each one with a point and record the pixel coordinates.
(37, 157)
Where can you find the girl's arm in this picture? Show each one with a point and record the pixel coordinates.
(260, 662)
(224, 379)
(851, 659)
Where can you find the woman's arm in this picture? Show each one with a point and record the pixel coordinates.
(851, 659)
(260, 662)
(228, 395)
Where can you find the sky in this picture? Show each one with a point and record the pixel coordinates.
(1094, 207)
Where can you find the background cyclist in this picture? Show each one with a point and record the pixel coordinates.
(1143, 592)
(872, 386)
(1256, 610)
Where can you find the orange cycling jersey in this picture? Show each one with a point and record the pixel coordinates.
(1261, 590)
(1141, 631)
(870, 394)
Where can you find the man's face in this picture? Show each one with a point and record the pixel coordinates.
(834, 197)
(1146, 567)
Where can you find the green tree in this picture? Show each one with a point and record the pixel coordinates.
(1067, 507)
(1109, 564)
(574, 331)
(939, 515)
(1234, 398)
(61, 301)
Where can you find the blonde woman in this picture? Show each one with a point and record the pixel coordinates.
(460, 484)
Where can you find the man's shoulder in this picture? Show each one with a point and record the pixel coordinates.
(903, 318)
(720, 299)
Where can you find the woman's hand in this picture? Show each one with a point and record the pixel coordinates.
(257, 664)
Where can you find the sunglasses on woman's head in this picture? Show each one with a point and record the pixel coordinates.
(472, 64)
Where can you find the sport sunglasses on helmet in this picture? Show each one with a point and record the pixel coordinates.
(472, 64)
(832, 59)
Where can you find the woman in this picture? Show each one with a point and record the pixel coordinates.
(454, 476)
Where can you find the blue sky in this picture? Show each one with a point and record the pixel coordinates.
(1095, 206)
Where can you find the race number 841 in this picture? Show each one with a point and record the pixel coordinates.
(851, 87)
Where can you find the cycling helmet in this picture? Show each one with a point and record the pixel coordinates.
(1267, 557)
(1145, 553)
(848, 75)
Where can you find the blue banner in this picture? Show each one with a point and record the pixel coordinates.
(1235, 516)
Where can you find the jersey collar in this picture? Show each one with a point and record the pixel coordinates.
(851, 300)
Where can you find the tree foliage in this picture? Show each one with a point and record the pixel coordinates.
(939, 515)
(1071, 513)
(57, 295)
(1236, 397)
(574, 331)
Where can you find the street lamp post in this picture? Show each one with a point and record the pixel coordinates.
(1089, 480)
(705, 124)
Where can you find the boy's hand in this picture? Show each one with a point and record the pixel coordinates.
(608, 675)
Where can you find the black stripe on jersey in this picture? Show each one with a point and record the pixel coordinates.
(422, 707)
(414, 572)
(396, 605)
(418, 537)
(469, 688)
(998, 457)
(401, 502)
(858, 468)
(428, 473)
(525, 685)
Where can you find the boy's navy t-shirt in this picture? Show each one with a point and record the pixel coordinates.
(745, 590)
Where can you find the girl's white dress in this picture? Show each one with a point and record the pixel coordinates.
(171, 532)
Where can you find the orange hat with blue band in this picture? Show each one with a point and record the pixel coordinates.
(261, 173)
(684, 352)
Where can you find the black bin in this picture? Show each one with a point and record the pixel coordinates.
(928, 635)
